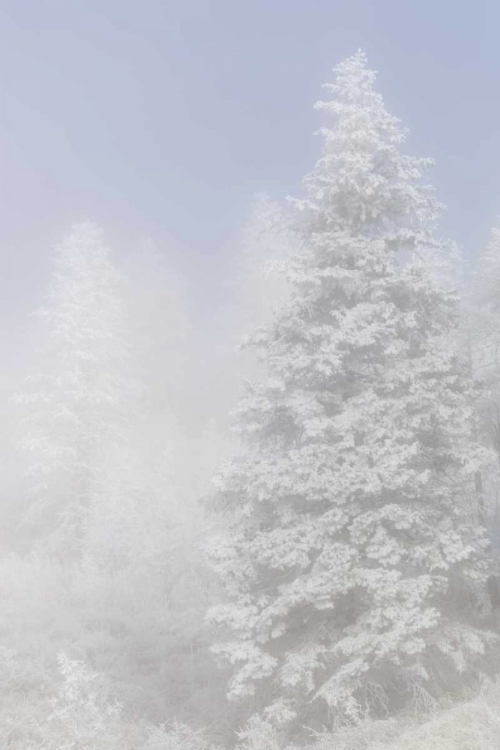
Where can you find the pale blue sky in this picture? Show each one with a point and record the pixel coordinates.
(161, 118)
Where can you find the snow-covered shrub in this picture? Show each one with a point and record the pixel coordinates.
(258, 734)
(83, 704)
(175, 736)
(466, 725)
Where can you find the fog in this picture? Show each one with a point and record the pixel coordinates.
(250, 393)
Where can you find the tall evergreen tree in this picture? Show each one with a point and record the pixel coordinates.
(484, 335)
(256, 289)
(161, 332)
(352, 534)
(480, 342)
(267, 241)
(76, 399)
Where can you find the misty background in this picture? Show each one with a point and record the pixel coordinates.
(161, 119)
(146, 154)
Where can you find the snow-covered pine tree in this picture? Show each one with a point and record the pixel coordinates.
(352, 538)
(483, 325)
(267, 242)
(481, 336)
(255, 291)
(161, 332)
(76, 401)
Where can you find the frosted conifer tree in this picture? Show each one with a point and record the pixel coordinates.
(76, 401)
(257, 289)
(162, 334)
(267, 241)
(484, 335)
(480, 343)
(352, 538)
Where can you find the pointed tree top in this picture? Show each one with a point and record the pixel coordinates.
(353, 79)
